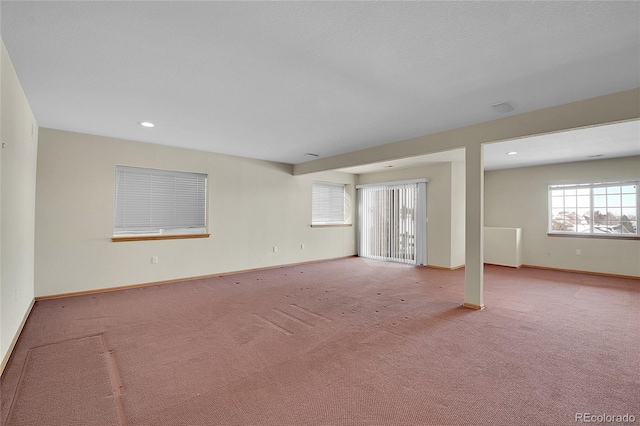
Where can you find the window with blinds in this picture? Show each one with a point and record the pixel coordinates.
(328, 205)
(155, 202)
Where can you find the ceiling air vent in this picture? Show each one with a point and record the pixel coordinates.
(502, 107)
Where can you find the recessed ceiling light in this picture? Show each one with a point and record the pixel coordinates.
(512, 153)
(311, 154)
(147, 124)
(595, 156)
(502, 107)
(389, 166)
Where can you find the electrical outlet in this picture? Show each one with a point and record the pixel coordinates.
(154, 259)
(578, 252)
(275, 249)
(301, 246)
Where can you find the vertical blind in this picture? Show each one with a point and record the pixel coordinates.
(150, 201)
(328, 203)
(392, 222)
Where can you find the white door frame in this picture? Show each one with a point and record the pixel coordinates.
(421, 217)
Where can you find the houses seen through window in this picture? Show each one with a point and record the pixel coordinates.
(608, 208)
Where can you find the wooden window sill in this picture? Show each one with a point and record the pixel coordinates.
(157, 237)
(330, 225)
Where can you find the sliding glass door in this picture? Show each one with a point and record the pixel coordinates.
(392, 221)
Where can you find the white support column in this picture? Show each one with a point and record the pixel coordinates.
(474, 223)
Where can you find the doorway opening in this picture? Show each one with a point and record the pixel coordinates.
(392, 223)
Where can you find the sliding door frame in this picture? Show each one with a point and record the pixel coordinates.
(420, 239)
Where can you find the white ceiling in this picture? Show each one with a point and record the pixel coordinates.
(276, 80)
(592, 143)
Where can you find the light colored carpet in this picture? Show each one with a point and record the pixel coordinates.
(66, 383)
(348, 342)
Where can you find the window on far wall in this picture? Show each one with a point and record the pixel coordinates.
(329, 204)
(159, 202)
(599, 209)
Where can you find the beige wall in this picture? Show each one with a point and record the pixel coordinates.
(517, 198)
(443, 227)
(19, 136)
(252, 206)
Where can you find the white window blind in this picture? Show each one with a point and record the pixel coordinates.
(151, 201)
(328, 203)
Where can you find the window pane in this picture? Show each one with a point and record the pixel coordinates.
(583, 228)
(628, 200)
(557, 213)
(613, 189)
(584, 201)
(614, 214)
(557, 202)
(613, 200)
(584, 191)
(600, 201)
(601, 190)
(557, 193)
(599, 218)
(569, 192)
(583, 220)
(566, 221)
(629, 189)
(570, 202)
(629, 227)
(614, 227)
(561, 222)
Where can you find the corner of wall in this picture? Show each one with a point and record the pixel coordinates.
(517, 198)
(18, 158)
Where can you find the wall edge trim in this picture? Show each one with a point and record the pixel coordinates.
(473, 306)
(505, 265)
(577, 271)
(445, 268)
